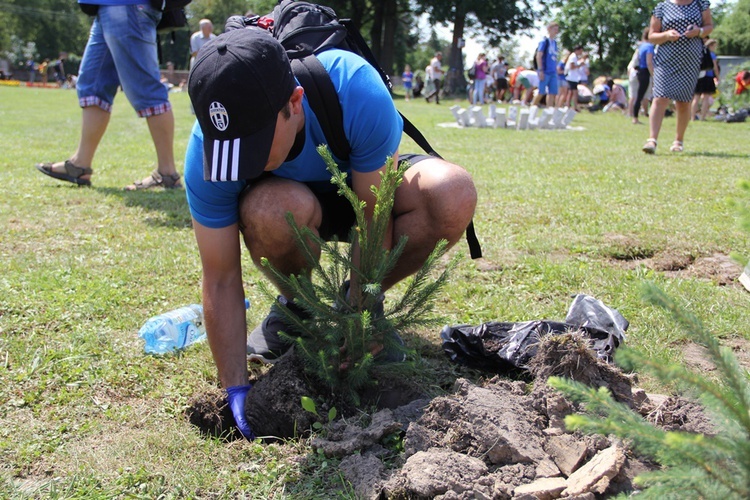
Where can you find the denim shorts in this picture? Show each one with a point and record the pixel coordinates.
(548, 85)
(121, 51)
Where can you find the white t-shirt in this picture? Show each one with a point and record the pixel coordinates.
(530, 75)
(437, 69)
(498, 70)
(572, 74)
(197, 40)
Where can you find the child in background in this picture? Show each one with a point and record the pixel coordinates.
(406, 78)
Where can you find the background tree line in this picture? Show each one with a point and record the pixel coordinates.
(608, 29)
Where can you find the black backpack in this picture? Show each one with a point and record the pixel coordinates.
(173, 15)
(305, 29)
(173, 18)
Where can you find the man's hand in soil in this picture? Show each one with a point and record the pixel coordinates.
(236, 396)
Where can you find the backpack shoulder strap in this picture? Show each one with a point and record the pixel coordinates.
(324, 102)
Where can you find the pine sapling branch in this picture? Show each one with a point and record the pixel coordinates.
(348, 323)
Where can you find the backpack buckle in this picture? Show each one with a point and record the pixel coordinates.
(266, 23)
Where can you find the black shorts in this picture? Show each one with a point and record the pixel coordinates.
(705, 85)
(501, 83)
(338, 214)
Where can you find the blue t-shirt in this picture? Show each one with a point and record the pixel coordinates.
(561, 70)
(372, 126)
(550, 61)
(710, 72)
(644, 49)
(406, 78)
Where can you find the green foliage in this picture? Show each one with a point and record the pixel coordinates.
(338, 342)
(608, 29)
(733, 33)
(308, 404)
(494, 20)
(727, 97)
(53, 25)
(697, 466)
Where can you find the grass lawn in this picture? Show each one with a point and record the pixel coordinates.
(84, 413)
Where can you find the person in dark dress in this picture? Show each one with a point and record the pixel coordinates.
(677, 30)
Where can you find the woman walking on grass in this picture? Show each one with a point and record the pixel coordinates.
(677, 28)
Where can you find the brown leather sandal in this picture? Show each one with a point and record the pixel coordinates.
(72, 172)
(156, 180)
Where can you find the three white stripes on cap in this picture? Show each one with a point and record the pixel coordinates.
(220, 163)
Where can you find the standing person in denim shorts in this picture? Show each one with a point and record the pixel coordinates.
(546, 62)
(121, 51)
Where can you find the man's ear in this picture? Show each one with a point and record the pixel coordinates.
(296, 100)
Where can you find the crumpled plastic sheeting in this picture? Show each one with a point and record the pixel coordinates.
(506, 347)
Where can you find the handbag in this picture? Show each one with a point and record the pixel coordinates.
(707, 62)
(89, 9)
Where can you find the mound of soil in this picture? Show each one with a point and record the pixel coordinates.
(273, 406)
(496, 439)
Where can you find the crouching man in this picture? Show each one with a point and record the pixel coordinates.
(252, 158)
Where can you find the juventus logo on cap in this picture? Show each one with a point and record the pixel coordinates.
(219, 116)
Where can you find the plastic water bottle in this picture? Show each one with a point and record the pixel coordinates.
(175, 330)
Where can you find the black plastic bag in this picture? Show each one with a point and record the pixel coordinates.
(508, 347)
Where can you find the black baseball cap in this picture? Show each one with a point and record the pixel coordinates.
(238, 84)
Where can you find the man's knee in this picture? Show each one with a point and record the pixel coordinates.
(264, 206)
(445, 191)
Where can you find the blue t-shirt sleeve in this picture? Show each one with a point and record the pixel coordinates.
(643, 51)
(213, 204)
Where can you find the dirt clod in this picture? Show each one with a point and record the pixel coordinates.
(210, 413)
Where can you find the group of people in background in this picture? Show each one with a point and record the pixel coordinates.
(57, 68)
(664, 74)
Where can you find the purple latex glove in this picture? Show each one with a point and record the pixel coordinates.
(236, 396)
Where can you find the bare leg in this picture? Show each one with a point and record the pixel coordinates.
(530, 96)
(265, 229)
(93, 125)
(694, 107)
(705, 106)
(656, 116)
(420, 212)
(683, 119)
(162, 132)
(436, 201)
(161, 127)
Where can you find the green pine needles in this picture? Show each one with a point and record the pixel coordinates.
(341, 342)
(696, 465)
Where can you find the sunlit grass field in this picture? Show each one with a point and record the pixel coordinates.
(85, 413)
